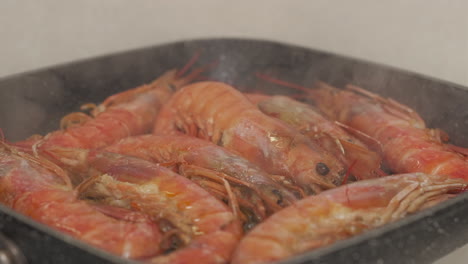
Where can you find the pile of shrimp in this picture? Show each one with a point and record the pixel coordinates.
(182, 171)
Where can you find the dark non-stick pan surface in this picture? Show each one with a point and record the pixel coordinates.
(33, 103)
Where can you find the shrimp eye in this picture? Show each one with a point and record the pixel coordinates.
(171, 243)
(277, 193)
(322, 169)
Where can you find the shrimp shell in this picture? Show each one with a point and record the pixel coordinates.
(42, 195)
(198, 154)
(362, 162)
(407, 145)
(204, 225)
(337, 214)
(221, 114)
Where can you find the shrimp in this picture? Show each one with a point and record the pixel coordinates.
(362, 162)
(195, 225)
(131, 112)
(340, 213)
(221, 114)
(41, 191)
(407, 145)
(208, 164)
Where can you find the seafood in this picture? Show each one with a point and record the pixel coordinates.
(195, 225)
(121, 115)
(220, 160)
(131, 112)
(221, 114)
(336, 214)
(407, 145)
(362, 162)
(208, 164)
(40, 190)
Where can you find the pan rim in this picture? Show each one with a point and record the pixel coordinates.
(284, 44)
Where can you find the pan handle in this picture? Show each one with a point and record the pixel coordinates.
(9, 252)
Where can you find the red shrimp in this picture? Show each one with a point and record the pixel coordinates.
(221, 114)
(131, 112)
(362, 162)
(40, 190)
(196, 226)
(340, 213)
(407, 145)
(209, 165)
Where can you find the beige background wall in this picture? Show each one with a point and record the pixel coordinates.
(425, 36)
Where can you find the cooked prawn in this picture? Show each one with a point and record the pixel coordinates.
(208, 164)
(130, 112)
(40, 190)
(221, 114)
(342, 212)
(362, 162)
(195, 225)
(407, 145)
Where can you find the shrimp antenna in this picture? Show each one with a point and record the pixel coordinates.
(2, 136)
(196, 73)
(189, 64)
(271, 79)
(348, 172)
(5, 144)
